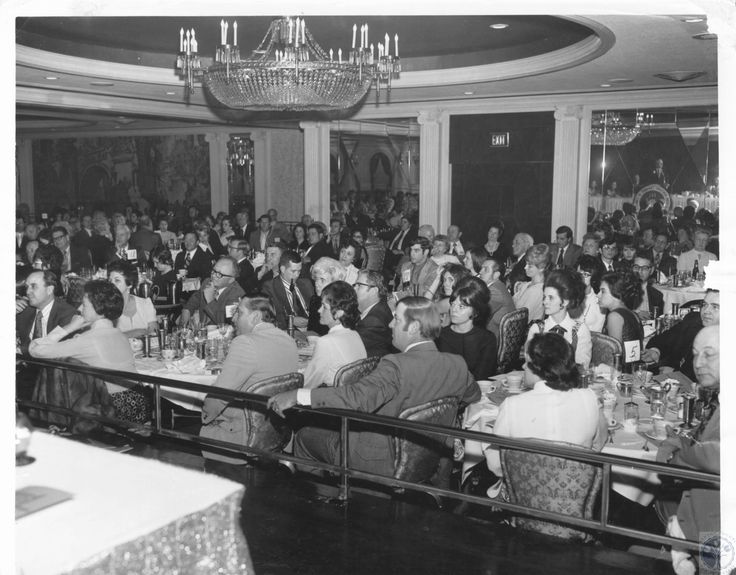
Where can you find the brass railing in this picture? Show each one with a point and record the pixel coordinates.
(346, 473)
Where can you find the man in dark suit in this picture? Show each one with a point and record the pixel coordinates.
(289, 293)
(609, 251)
(36, 316)
(238, 250)
(261, 238)
(375, 315)
(653, 298)
(563, 252)
(214, 301)
(318, 248)
(122, 249)
(397, 244)
(193, 259)
(662, 262)
(243, 229)
(41, 303)
(417, 375)
(84, 236)
(75, 257)
(144, 239)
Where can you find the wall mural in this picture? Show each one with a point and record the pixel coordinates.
(148, 172)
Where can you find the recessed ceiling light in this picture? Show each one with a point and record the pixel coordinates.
(52, 77)
(171, 93)
(101, 84)
(605, 85)
(619, 80)
(680, 75)
(468, 93)
(706, 36)
(499, 26)
(693, 19)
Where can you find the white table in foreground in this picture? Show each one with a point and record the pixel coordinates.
(678, 295)
(127, 514)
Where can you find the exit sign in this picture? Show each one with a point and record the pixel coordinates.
(499, 139)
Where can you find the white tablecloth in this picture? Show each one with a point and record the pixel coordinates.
(187, 399)
(679, 295)
(116, 499)
(634, 484)
(607, 204)
(710, 203)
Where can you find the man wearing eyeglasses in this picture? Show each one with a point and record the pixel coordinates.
(75, 257)
(214, 301)
(375, 315)
(652, 297)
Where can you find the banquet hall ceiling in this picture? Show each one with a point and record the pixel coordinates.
(87, 74)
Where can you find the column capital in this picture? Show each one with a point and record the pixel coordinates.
(427, 117)
(570, 112)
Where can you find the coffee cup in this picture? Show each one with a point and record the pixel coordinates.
(514, 381)
(168, 354)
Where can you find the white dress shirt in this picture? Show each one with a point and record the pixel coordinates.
(45, 312)
(686, 260)
(545, 413)
(338, 347)
(584, 349)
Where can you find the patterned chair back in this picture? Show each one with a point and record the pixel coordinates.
(551, 483)
(604, 349)
(416, 454)
(512, 332)
(356, 370)
(266, 430)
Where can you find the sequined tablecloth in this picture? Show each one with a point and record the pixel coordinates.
(127, 515)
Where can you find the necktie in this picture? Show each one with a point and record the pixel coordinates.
(559, 330)
(37, 325)
(397, 242)
(296, 304)
(559, 258)
(67, 261)
(453, 251)
(187, 260)
(121, 254)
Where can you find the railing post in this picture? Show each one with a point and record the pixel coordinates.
(344, 491)
(605, 495)
(157, 406)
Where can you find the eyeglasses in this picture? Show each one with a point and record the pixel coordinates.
(58, 238)
(217, 275)
(365, 285)
(643, 268)
(586, 274)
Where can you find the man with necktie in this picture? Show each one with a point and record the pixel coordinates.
(453, 236)
(215, 299)
(75, 257)
(565, 253)
(289, 293)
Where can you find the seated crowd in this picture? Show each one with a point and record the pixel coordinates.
(431, 308)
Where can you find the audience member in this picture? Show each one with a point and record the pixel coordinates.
(466, 335)
(259, 351)
(193, 261)
(564, 290)
(324, 271)
(449, 277)
(501, 301)
(564, 253)
(521, 243)
(591, 271)
(139, 315)
(493, 246)
(347, 252)
(215, 301)
(270, 267)
(279, 232)
(289, 293)
(261, 238)
(165, 281)
(318, 248)
(144, 239)
(417, 375)
(454, 233)
(686, 260)
(652, 298)
(299, 242)
(375, 314)
(238, 250)
(621, 294)
(418, 276)
(74, 257)
(529, 294)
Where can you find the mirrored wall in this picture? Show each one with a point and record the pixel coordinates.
(375, 166)
(667, 155)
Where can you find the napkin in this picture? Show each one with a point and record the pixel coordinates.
(188, 364)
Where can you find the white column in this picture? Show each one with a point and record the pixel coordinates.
(433, 204)
(317, 170)
(218, 171)
(24, 151)
(262, 170)
(569, 199)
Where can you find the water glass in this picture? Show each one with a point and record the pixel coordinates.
(640, 372)
(631, 416)
(657, 409)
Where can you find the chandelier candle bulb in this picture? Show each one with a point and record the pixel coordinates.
(355, 29)
(226, 27)
(304, 32)
(339, 55)
(396, 45)
(194, 43)
(181, 40)
(187, 44)
(387, 45)
(235, 33)
(290, 29)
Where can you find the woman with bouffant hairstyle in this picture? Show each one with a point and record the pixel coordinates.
(620, 294)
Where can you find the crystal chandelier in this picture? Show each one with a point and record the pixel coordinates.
(607, 128)
(289, 71)
(240, 155)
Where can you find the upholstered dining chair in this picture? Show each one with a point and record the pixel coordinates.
(356, 370)
(604, 349)
(376, 255)
(512, 333)
(551, 483)
(416, 454)
(267, 431)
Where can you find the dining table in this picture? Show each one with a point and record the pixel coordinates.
(193, 369)
(637, 485)
(679, 295)
(82, 509)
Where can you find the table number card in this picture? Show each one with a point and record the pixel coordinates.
(632, 350)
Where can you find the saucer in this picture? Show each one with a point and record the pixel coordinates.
(513, 391)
